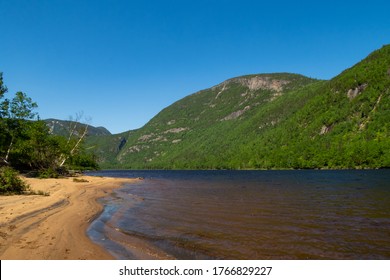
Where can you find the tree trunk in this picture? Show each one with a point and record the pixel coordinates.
(8, 152)
(72, 151)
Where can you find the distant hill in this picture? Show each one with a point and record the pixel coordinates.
(61, 127)
(266, 121)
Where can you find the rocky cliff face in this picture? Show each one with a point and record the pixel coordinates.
(262, 82)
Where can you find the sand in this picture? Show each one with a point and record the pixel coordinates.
(54, 226)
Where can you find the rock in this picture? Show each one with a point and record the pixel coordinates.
(236, 114)
(325, 129)
(352, 93)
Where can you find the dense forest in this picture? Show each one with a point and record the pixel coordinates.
(267, 121)
(26, 144)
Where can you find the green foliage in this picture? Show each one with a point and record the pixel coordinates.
(47, 173)
(83, 161)
(10, 182)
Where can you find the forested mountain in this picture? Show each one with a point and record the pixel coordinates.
(63, 128)
(267, 121)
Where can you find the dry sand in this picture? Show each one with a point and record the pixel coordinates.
(54, 226)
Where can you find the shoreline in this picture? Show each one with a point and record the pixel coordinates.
(53, 227)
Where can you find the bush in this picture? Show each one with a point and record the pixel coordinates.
(48, 173)
(10, 182)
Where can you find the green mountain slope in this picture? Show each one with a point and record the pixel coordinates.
(270, 121)
(107, 147)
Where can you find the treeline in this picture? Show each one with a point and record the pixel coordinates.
(26, 144)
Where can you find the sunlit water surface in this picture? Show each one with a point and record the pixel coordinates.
(306, 214)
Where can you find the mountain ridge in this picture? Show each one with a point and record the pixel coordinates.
(62, 127)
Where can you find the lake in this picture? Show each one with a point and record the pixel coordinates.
(292, 214)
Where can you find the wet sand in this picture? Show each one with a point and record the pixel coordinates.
(54, 226)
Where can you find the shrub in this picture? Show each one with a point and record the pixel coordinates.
(80, 180)
(10, 182)
(48, 173)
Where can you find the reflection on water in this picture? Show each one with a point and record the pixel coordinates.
(249, 215)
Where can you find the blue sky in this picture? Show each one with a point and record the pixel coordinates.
(121, 62)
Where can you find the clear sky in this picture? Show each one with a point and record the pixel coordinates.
(121, 62)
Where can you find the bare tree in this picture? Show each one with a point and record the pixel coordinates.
(77, 133)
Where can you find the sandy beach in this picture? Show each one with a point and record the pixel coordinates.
(54, 226)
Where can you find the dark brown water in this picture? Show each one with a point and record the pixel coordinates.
(250, 214)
